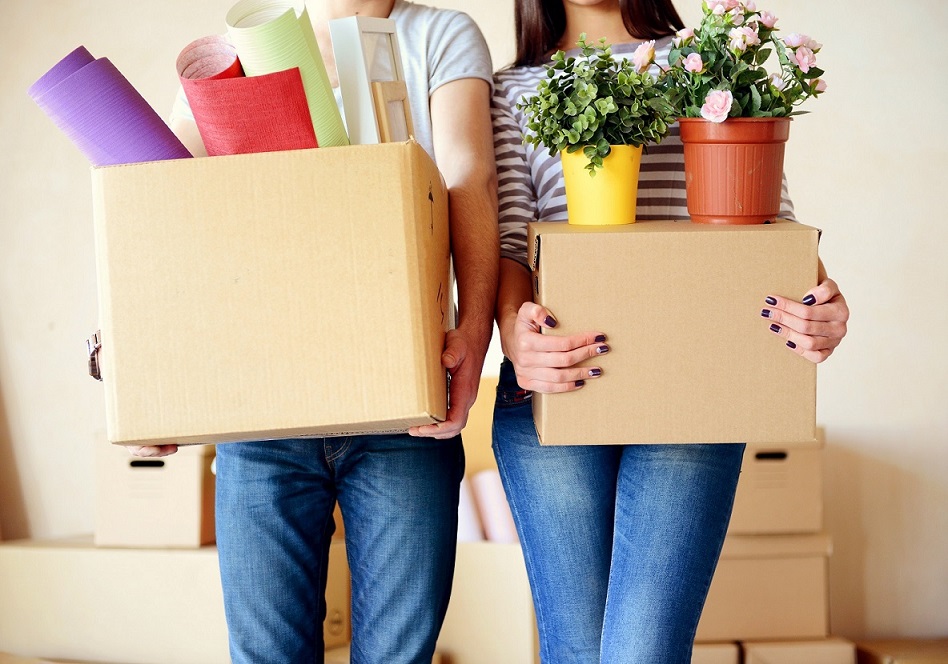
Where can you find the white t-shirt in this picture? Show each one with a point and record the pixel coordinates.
(437, 46)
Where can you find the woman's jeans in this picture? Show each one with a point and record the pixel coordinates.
(275, 501)
(620, 542)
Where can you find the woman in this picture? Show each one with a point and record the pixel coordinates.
(620, 541)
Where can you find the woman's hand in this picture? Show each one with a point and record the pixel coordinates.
(149, 451)
(547, 363)
(814, 327)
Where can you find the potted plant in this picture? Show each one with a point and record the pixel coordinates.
(597, 112)
(734, 114)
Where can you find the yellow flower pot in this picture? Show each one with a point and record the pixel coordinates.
(608, 198)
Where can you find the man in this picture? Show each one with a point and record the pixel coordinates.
(398, 493)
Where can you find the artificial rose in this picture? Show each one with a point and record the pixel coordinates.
(743, 37)
(750, 6)
(768, 19)
(693, 63)
(644, 56)
(818, 85)
(793, 40)
(683, 37)
(777, 82)
(804, 58)
(717, 105)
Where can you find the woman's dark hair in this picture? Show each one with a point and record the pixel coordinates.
(540, 25)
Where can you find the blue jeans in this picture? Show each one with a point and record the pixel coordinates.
(620, 542)
(399, 501)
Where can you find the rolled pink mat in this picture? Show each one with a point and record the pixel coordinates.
(493, 508)
(236, 114)
(102, 114)
(469, 523)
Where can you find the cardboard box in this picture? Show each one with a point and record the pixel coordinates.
(903, 651)
(163, 502)
(67, 599)
(490, 616)
(770, 587)
(825, 651)
(716, 653)
(272, 295)
(691, 359)
(780, 490)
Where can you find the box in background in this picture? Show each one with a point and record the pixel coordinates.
(780, 489)
(903, 651)
(716, 653)
(230, 286)
(165, 502)
(825, 651)
(68, 600)
(769, 587)
(691, 358)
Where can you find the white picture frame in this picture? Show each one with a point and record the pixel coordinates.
(371, 80)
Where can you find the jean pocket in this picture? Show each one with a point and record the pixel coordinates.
(509, 393)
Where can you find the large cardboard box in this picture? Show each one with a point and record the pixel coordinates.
(163, 502)
(272, 295)
(691, 359)
(769, 587)
(903, 651)
(716, 653)
(67, 599)
(824, 651)
(780, 490)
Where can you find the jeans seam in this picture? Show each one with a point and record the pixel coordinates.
(332, 456)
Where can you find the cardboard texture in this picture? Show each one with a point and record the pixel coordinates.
(780, 490)
(768, 587)
(490, 616)
(903, 651)
(826, 651)
(67, 599)
(691, 358)
(232, 290)
(716, 653)
(163, 503)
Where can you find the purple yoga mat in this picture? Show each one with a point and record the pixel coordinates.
(103, 115)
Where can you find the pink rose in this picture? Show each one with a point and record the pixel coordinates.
(768, 19)
(683, 37)
(693, 63)
(818, 85)
(795, 40)
(805, 58)
(644, 56)
(717, 105)
(777, 82)
(750, 6)
(743, 37)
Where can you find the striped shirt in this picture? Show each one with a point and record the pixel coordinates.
(530, 180)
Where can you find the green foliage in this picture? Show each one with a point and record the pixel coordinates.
(593, 101)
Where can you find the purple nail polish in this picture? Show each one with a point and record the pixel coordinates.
(790, 344)
(765, 313)
(772, 301)
(549, 321)
(602, 349)
(599, 339)
(775, 328)
(809, 300)
(580, 383)
(595, 372)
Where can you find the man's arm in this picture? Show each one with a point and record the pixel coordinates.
(464, 148)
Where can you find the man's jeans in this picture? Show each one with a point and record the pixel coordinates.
(620, 542)
(399, 500)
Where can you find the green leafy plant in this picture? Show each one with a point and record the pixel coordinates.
(717, 70)
(593, 101)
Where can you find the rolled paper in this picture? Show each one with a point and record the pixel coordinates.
(276, 35)
(236, 114)
(102, 113)
(493, 508)
(469, 524)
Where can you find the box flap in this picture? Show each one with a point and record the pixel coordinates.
(777, 546)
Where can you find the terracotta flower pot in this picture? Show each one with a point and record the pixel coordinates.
(734, 169)
(609, 197)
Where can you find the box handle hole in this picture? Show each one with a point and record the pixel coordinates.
(147, 463)
(771, 456)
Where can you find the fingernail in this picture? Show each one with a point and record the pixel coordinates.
(549, 321)
(772, 301)
(775, 328)
(580, 383)
(602, 349)
(765, 313)
(791, 344)
(600, 339)
(595, 372)
(809, 300)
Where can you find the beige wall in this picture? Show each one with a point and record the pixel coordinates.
(866, 167)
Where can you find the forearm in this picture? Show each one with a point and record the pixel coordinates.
(514, 289)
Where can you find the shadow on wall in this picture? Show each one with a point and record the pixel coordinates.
(13, 524)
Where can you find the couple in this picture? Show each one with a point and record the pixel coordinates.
(620, 541)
